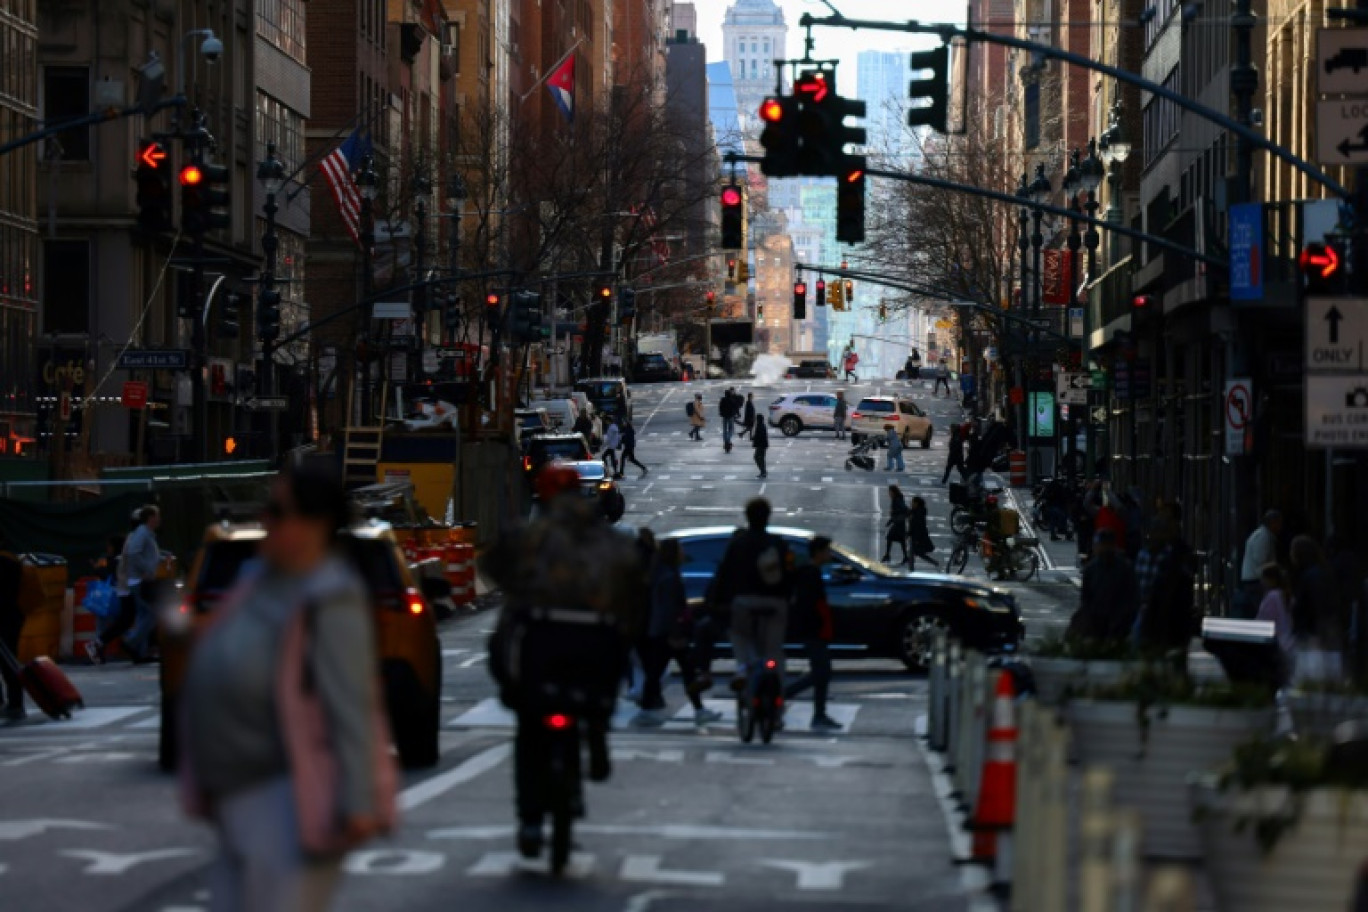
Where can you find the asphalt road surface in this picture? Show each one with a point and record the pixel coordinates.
(691, 820)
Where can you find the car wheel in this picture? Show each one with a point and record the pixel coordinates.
(414, 717)
(616, 506)
(791, 425)
(918, 640)
(926, 441)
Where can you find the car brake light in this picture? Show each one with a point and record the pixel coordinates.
(527, 463)
(771, 664)
(855, 416)
(414, 600)
(558, 722)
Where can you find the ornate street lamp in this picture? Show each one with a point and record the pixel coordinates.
(368, 185)
(1115, 150)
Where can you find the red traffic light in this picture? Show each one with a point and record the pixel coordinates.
(731, 196)
(712, 298)
(491, 300)
(815, 86)
(1142, 300)
(605, 292)
(821, 285)
(1319, 259)
(800, 288)
(855, 176)
(771, 110)
(191, 176)
(152, 155)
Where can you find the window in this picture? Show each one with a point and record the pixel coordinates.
(701, 553)
(1032, 115)
(281, 22)
(66, 94)
(18, 367)
(281, 125)
(66, 286)
(767, 46)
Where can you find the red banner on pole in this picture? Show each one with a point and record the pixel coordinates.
(134, 394)
(1057, 268)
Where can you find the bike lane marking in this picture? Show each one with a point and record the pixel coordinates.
(430, 789)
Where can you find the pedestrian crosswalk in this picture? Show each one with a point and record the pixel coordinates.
(490, 713)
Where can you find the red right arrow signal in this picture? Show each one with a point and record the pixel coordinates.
(152, 155)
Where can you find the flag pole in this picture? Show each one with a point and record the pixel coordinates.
(553, 68)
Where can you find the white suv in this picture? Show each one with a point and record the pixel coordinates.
(874, 413)
(796, 412)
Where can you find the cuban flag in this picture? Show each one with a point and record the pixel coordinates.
(561, 84)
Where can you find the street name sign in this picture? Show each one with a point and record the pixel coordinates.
(1336, 335)
(1337, 411)
(1341, 61)
(391, 310)
(267, 403)
(154, 359)
(1342, 131)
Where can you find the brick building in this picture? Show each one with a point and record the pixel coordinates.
(19, 238)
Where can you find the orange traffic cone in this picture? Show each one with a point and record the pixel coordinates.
(995, 810)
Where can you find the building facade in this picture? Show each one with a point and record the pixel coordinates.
(754, 35)
(19, 238)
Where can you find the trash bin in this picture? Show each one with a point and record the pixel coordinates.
(42, 602)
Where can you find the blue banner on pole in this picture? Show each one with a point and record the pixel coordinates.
(1246, 252)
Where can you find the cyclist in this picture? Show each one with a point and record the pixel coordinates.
(569, 582)
(753, 582)
(1000, 524)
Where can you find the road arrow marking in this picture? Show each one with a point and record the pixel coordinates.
(829, 875)
(22, 829)
(113, 864)
(393, 861)
(646, 869)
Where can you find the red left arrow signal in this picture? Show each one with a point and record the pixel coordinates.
(816, 86)
(152, 155)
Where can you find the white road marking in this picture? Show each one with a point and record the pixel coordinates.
(454, 652)
(474, 660)
(828, 875)
(642, 901)
(111, 864)
(12, 830)
(393, 861)
(504, 864)
(430, 789)
(647, 869)
(734, 760)
(827, 479)
(685, 831)
(646, 490)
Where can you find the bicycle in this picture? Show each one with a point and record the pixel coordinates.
(969, 540)
(760, 705)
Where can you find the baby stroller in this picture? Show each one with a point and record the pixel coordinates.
(861, 454)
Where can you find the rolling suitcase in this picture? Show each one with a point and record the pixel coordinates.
(46, 684)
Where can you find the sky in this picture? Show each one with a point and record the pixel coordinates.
(834, 43)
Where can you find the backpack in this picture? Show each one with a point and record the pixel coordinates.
(689, 409)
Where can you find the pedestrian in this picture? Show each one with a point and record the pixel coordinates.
(596, 439)
(1276, 606)
(954, 454)
(918, 536)
(584, 426)
(612, 439)
(727, 409)
(1164, 581)
(697, 419)
(839, 413)
(11, 623)
(747, 415)
(811, 623)
(1106, 599)
(1260, 550)
(910, 368)
(896, 524)
(629, 440)
(666, 638)
(942, 378)
(895, 450)
(139, 564)
(760, 441)
(852, 361)
(287, 749)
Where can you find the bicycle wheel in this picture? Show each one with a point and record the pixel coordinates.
(959, 558)
(561, 824)
(961, 520)
(767, 727)
(745, 719)
(1023, 562)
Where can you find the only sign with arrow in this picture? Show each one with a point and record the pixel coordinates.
(1336, 334)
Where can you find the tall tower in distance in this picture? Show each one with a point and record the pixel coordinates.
(754, 35)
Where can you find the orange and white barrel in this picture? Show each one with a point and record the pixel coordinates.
(460, 567)
(1018, 468)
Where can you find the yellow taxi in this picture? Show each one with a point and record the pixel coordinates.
(405, 629)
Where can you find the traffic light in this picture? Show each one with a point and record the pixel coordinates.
(451, 316)
(1322, 269)
(850, 207)
(203, 194)
(839, 136)
(525, 316)
(835, 296)
(733, 220)
(604, 293)
(268, 315)
(849, 292)
(800, 300)
(229, 322)
(731, 269)
(626, 307)
(821, 292)
(929, 90)
(492, 310)
(883, 313)
(154, 188)
(710, 299)
(780, 137)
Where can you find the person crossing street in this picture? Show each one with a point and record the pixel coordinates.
(697, 419)
(760, 440)
(839, 413)
(747, 415)
(612, 439)
(727, 410)
(811, 623)
(628, 454)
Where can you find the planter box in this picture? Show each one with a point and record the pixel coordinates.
(1152, 772)
(1313, 865)
(1317, 714)
(1055, 676)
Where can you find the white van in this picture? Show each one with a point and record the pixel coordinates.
(562, 412)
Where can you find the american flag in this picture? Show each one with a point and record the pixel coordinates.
(337, 169)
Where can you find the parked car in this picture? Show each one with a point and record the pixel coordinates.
(582, 402)
(557, 447)
(562, 412)
(874, 413)
(532, 421)
(811, 370)
(797, 412)
(595, 482)
(609, 395)
(405, 630)
(653, 368)
(878, 612)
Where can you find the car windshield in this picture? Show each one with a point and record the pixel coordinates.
(375, 562)
(590, 471)
(605, 390)
(873, 405)
(861, 561)
(564, 449)
(651, 359)
(531, 421)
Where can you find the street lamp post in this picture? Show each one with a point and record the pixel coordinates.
(455, 197)
(1090, 178)
(1023, 300)
(422, 188)
(271, 174)
(367, 184)
(1073, 182)
(1115, 150)
(1039, 193)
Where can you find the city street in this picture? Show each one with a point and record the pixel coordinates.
(691, 819)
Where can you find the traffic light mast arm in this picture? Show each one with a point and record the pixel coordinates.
(947, 31)
(87, 120)
(1013, 200)
(209, 301)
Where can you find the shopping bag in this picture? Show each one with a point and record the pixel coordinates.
(100, 599)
